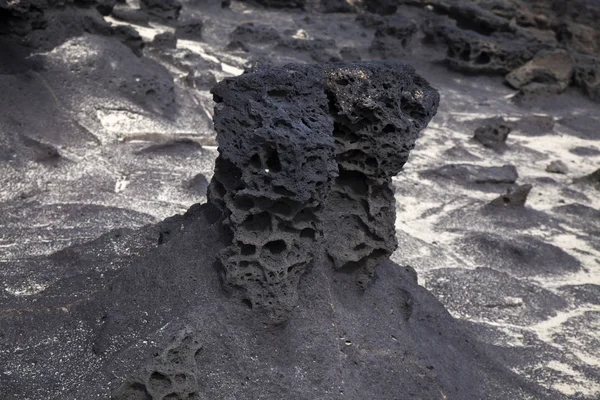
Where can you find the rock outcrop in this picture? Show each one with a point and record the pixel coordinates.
(307, 154)
(378, 111)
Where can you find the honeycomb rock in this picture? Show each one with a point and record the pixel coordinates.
(478, 50)
(379, 108)
(306, 157)
(171, 375)
(275, 167)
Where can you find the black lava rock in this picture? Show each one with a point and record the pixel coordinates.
(493, 133)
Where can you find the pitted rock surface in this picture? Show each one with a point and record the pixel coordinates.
(278, 160)
(275, 167)
(379, 110)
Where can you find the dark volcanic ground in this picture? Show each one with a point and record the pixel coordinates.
(95, 140)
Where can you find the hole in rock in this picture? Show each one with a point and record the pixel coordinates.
(244, 203)
(277, 93)
(257, 222)
(137, 391)
(273, 161)
(159, 382)
(282, 208)
(283, 191)
(229, 175)
(371, 162)
(255, 161)
(353, 180)
(483, 58)
(307, 233)
(389, 128)
(247, 303)
(276, 246)
(248, 250)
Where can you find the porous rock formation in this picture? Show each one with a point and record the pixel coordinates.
(275, 168)
(378, 113)
(307, 153)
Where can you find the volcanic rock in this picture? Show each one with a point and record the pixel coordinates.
(165, 10)
(493, 133)
(557, 167)
(165, 40)
(472, 51)
(474, 176)
(191, 30)
(134, 16)
(549, 72)
(277, 185)
(515, 197)
(587, 75)
(275, 167)
(378, 110)
(130, 38)
(251, 32)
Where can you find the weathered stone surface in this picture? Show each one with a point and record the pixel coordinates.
(549, 72)
(172, 374)
(515, 197)
(130, 38)
(578, 37)
(284, 136)
(474, 176)
(165, 10)
(472, 51)
(127, 14)
(378, 110)
(493, 133)
(275, 167)
(393, 34)
(165, 40)
(587, 75)
(251, 32)
(557, 167)
(191, 30)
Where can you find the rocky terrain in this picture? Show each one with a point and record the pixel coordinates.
(107, 138)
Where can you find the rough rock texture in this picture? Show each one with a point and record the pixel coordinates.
(587, 75)
(165, 10)
(549, 72)
(393, 34)
(515, 196)
(557, 167)
(493, 133)
(474, 176)
(275, 168)
(172, 374)
(23, 16)
(472, 51)
(273, 178)
(378, 111)
(191, 30)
